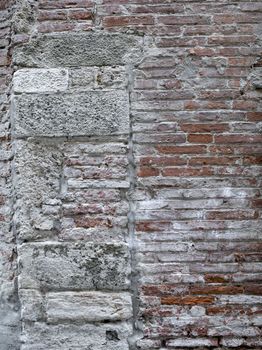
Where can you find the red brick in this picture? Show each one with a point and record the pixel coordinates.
(216, 278)
(235, 138)
(80, 15)
(45, 15)
(163, 161)
(181, 149)
(204, 171)
(187, 300)
(214, 127)
(254, 116)
(119, 21)
(229, 290)
(178, 20)
(232, 215)
(59, 4)
(200, 138)
(147, 171)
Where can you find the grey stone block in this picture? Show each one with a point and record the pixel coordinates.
(88, 306)
(37, 183)
(79, 49)
(9, 338)
(108, 78)
(32, 305)
(40, 336)
(40, 80)
(256, 77)
(89, 113)
(69, 266)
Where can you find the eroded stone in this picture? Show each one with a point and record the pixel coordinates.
(40, 336)
(88, 306)
(75, 50)
(89, 113)
(60, 266)
(36, 181)
(40, 80)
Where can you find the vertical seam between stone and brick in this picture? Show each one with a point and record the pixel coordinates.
(131, 222)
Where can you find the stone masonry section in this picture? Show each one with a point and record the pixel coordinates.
(130, 174)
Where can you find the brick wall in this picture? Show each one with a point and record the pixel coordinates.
(131, 175)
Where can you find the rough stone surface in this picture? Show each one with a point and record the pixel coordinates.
(90, 113)
(77, 337)
(256, 78)
(61, 307)
(23, 16)
(40, 80)
(37, 185)
(74, 50)
(10, 325)
(72, 266)
(88, 306)
(98, 78)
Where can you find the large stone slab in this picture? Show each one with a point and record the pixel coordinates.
(40, 336)
(37, 184)
(88, 306)
(79, 49)
(88, 113)
(40, 80)
(64, 307)
(72, 266)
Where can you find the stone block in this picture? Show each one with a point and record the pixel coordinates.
(37, 183)
(89, 113)
(72, 266)
(88, 306)
(79, 49)
(108, 78)
(256, 77)
(9, 338)
(40, 336)
(40, 80)
(32, 305)
(82, 77)
(111, 78)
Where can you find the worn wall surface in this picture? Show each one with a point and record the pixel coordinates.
(130, 174)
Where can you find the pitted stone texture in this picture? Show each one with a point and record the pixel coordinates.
(88, 306)
(76, 50)
(9, 338)
(40, 80)
(37, 184)
(40, 336)
(89, 113)
(61, 266)
(111, 78)
(78, 307)
(98, 78)
(9, 305)
(23, 16)
(256, 77)
(32, 305)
